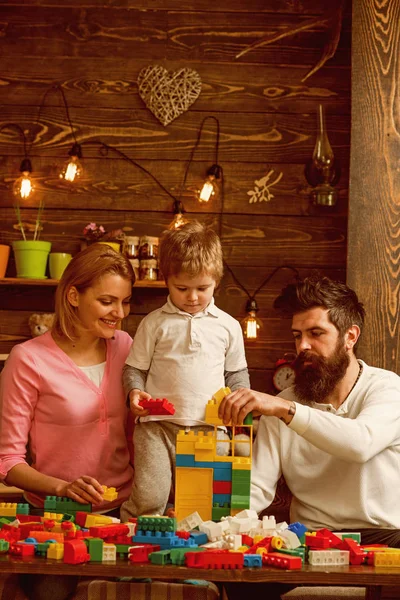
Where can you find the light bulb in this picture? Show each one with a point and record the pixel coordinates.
(72, 168)
(251, 324)
(178, 219)
(211, 186)
(23, 186)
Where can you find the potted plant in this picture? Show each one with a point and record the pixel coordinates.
(96, 233)
(30, 254)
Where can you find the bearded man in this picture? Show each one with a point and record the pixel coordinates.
(335, 434)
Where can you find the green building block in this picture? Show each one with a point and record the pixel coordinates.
(220, 511)
(123, 550)
(248, 419)
(153, 523)
(301, 551)
(241, 476)
(352, 535)
(64, 505)
(178, 554)
(22, 509)
(95, 549)
(4, 546)
(162, 557)
(240, 502)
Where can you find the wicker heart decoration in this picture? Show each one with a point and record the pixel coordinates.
(168, 95)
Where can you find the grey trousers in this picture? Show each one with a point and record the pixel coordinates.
(154, 445)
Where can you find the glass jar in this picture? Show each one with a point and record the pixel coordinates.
(148, 269)
(148, 247)
(132, 246)
(135, 266)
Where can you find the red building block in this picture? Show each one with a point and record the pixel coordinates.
(21, 549)
(215, 559)
(317, 542)
(282, 561)
(140, 553)
(109, 531)
(357, 554)
(247, 540)
(185, 535)
(158, 407)
(222, 487)
(264, 543)
(334, 540)
(75, 552)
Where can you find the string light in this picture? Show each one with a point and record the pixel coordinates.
(212, 187)
(251, 325)
(72, 168)
(178, 219)
(23, 186)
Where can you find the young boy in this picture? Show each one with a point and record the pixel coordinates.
(184, 351)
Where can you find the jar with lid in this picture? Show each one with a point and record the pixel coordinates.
(148, 269)
(136, 267)
(132, 246)
(148, 247)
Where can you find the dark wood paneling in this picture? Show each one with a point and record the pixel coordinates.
(111, 82)
(269, 137)
(375, 183)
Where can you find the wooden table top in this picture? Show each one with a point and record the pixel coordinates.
(316, 575)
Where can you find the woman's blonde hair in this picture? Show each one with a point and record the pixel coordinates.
(194, 249)
(86, 267)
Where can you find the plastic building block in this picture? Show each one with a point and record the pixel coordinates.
(282, 561)
(357, 554)
(178, 554)
(162, 557)
(193, 492)
(317, 542)
(8, 509)
(43, 536)
(4, 546)
(109, 552)
(107, 532)
(140, 553)
(387, 559)
(190, 522)
(241, 463)
(252, 560)
(199, 537)
(298, 528)
(185, 460)
(220, 511)
(328, 557)
(55, 550)
(95, 549)
(221, 499)
(75, 552)
(156, 523)
(109, 493)
(22, 549)
(157, 406)
(215, 559)
(222, 487)
(65, 505)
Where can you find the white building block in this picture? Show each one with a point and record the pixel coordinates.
(190, 522)
(328, 557)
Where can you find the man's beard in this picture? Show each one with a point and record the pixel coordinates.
(316, 381)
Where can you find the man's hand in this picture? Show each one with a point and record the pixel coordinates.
(236, 406)
(135, 396)
(85, 490)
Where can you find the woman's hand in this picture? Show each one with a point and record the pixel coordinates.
(135, 396)
(85, 490)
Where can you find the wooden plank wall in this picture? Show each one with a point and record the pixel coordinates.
(267, 114)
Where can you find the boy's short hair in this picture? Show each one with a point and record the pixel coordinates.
(82, 272)
(194, 249)
(342, 303)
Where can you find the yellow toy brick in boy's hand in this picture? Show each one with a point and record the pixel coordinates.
(183, 351)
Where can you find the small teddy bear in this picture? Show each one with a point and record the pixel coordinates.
(39, 324)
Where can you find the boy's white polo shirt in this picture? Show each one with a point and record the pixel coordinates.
(186, 356)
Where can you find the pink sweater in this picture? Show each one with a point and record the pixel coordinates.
(73, 427)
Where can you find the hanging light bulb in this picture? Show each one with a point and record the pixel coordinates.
(72, 168)
(211, 187)
(23, 186)
(251, 324)
(178, 219)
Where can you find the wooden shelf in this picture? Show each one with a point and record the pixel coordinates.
(53, 282)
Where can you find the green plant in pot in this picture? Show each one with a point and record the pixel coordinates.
(30, 254)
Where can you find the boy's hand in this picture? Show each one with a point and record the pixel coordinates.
(85, 490)
(135, 396)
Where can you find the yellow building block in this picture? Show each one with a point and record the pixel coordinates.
(194, 492)
(8, 509)
(52, 516)
(93, 520)
(205, 442)
(109, 493)
(387, 559)
(241, 463)
(185, 442)
(55, 550)
(220, 395)
(223, 459)
(212, 413)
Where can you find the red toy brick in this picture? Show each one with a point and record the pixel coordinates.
(317, 542)
(140, 554)
(158, 407)
(357, 554)
(282, 561)
(264, 543)
(222, 487)
(75, 552)
(21, 549)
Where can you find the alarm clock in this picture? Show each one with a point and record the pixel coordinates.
(284, 373)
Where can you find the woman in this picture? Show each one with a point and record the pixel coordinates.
(61, 393)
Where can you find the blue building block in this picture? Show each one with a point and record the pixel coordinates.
(164, 539)
(185, 460)
(252, 560)
(298, 528)
(222, 474)
(199, 537)
(203, 464)
(221, 498)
